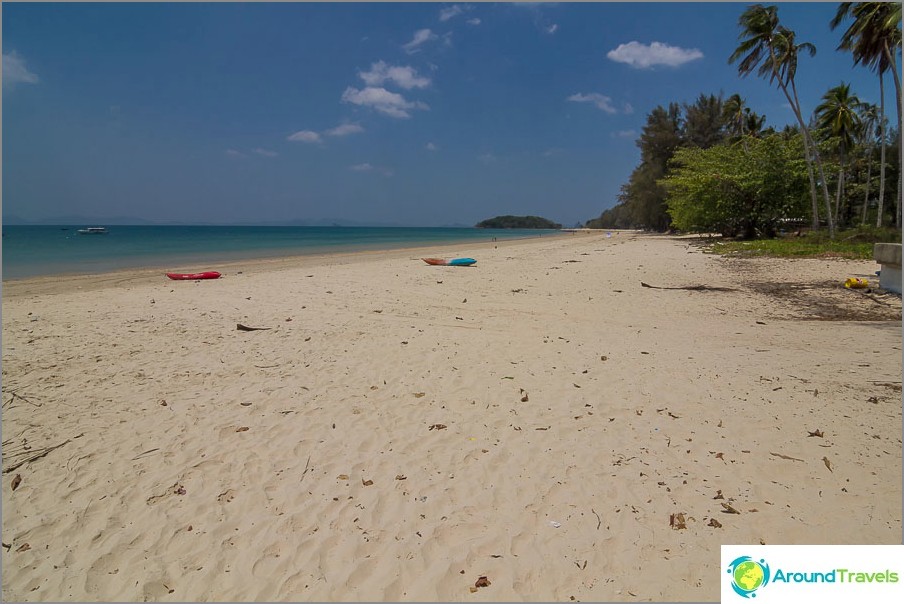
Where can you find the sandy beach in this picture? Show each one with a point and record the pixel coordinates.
(398, 431)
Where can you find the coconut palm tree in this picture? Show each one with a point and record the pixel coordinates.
(874, 38)
(839, 115)
(770, 49)
(869, 117)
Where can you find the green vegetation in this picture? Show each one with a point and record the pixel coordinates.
(518, 222)
(855, 244)
(714, 165)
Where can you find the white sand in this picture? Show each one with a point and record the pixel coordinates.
(252, 481)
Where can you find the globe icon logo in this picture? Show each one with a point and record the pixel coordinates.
(748, 575)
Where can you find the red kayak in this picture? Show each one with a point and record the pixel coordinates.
(193, 276)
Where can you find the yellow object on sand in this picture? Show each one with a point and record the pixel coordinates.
(856, 283)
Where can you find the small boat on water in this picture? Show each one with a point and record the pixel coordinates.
(93, 231)
(193, 276)
(453, 262)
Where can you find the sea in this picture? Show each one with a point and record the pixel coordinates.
(33, 251)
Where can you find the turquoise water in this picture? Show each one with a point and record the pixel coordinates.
(30, 251)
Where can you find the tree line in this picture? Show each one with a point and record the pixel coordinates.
(713, 165)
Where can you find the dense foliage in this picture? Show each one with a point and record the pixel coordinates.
(738, 191)
(714, 165)
(518, 222)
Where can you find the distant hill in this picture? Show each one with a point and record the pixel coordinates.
(518, 222)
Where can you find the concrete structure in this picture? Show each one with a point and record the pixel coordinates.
(888, 255)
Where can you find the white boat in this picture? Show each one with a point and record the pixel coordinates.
(93, 231)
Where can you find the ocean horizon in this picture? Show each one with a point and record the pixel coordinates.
(46, 250)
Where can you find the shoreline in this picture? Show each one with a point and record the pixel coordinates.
(255, 260)
(396, 430)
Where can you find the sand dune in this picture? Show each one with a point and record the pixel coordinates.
(401, 430)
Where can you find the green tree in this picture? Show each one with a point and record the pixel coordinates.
(770, 49)
(873, 38)
(704, 122)
(839, 115)
(735, 191)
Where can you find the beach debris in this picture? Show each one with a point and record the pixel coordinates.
(785, 456)
(24, 547)
(38, 454)
(696, 288)
(180, 490)
(437, 427)
(367, 483)
(419, 394)
(555, 524)
(524, 397)
(828, 463)
(242, 429)
(17, 480)
(542, 428)
(729, 509)
(673, 416)
(714, 523)
(678, 521)
(604, 358)
(8, 546)
(245, 404)
(720, 455)
(482, 581)
(401, 477)
(226, 496)
(241, 327)
(817, 432)
(189, 528)
(719, 495)
(342, 477)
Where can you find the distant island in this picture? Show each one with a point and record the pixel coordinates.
(518, 222)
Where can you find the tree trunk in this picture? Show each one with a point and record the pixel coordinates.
(897, 79)
(882, 135)
(814, 205)
(869, 175)
(795, 106)
(840, 186)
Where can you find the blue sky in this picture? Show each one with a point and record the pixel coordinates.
(419, 114)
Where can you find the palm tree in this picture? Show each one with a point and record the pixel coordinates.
(770, 49)
(838, 115)
(869, 118)
(874, 38)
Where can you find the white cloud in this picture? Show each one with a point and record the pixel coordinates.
(344, 130)
(265, 152)
(553, 151)
(629, 109)
(487, 158)
(365, 167)
(15, 72)
(601, 101)
(404, 76)
(452, 11)
(304, 136)
(625, 133)
(641, 56)
(430, 147)
(474, 21)
(388, 103)
(552, 28)
(234, 153)
(420, 36)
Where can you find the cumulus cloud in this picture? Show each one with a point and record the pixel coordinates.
(420, 36)
(304, 136)
(552, 28)
(430, 147)
(234, 153)
(452, 11)
(403, 76)
(382, 100)
(601, 101)
(365, 167)
(474, 21)
(344, 130)
(642, 56)
(265, 152)
(15, 72)
(629, 109)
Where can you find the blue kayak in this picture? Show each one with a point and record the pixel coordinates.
(462, 262)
